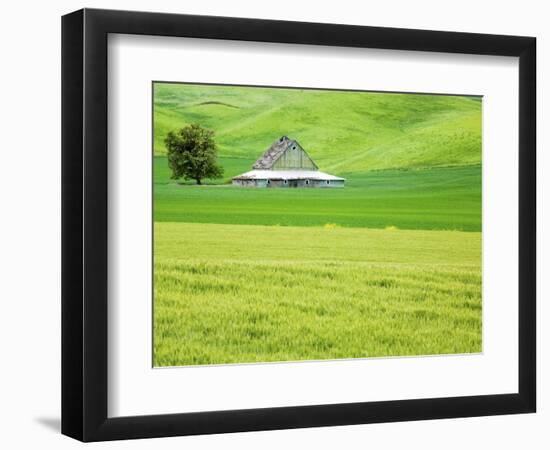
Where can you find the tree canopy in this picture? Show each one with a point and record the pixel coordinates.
(192, 153)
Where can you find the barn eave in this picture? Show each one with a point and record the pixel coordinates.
(287, 175)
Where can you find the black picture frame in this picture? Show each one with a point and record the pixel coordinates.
(84, 224)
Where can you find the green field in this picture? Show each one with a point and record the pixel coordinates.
(446, 198)
(389, 265)
(227, 294)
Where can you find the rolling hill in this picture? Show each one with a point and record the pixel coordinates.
(344, 132)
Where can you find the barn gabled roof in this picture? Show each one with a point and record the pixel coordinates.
(273, 153)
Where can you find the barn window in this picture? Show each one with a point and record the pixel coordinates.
(307, 181)
(328, 181)
(268, 181)
(286, 181)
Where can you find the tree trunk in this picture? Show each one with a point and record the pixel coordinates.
(199, 181)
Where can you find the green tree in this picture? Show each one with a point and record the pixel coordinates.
(192, 153)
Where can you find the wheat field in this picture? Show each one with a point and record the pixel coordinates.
(242, 293)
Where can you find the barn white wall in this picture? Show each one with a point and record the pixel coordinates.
(30, 236)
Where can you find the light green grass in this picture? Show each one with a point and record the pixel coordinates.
(390, 265)
(439, 198)
(241, 293)
(342, 131)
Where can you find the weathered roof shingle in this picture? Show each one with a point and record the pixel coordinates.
(273, 153)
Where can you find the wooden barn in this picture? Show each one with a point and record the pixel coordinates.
(286, 164)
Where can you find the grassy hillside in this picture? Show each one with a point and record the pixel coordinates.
(343, 132)
(243, 293)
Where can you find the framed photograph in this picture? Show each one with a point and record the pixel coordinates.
(273, 224)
